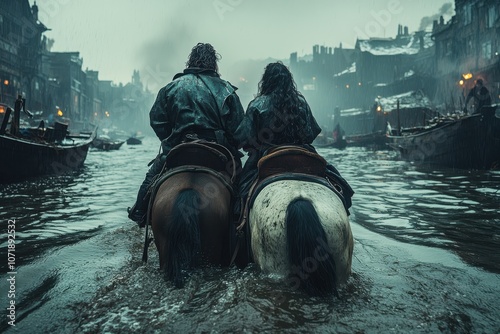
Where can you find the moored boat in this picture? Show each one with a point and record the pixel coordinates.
(464, 142)
(27, 157)
(32, 152)
(106, 144)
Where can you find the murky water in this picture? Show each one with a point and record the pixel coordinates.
(426, 257)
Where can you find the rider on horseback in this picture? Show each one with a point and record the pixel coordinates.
(197, 104)
(279, 115)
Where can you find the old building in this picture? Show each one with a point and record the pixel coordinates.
(468, 48)
(20, 52)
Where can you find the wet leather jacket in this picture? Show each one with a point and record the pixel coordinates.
(197, 101)
(261, 129)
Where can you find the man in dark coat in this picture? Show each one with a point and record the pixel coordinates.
(279, 115)
(481, 96)
(197, 102)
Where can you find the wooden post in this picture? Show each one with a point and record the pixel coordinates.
(399, 121)
(16, 120)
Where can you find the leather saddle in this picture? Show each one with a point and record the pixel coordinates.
(291, 159)
(202, 153)
(285, 163)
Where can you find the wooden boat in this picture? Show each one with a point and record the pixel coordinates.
(30, 152)
(367, 128)
(106, 144)
(29, 157)
(377, 140)
(465, 142)
(134, 141)
(339, 144)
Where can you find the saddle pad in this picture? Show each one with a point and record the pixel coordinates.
(291, 159)
(198, 154)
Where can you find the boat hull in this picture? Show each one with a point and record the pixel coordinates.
(22, 158)
(472, 142)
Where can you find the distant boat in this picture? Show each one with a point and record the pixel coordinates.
(336, 141)
(134, 141)
(464, 142)
(378, 140)
(368, 127)
(104, 143)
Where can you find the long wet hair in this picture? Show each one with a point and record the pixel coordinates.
(203, 55)
(277, 82)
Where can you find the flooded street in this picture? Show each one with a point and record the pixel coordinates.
(426, 257)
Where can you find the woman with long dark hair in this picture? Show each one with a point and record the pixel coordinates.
(279, 115)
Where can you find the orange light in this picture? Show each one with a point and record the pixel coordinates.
(461, 82)
(6, 82)
(467, 76)
(379, 108)
(59, 113)
(2, 110)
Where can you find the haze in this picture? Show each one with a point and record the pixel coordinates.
(115, 37)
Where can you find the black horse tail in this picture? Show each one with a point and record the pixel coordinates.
(313, 267)
(183, 233)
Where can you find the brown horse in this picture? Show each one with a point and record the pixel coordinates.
(191, 210)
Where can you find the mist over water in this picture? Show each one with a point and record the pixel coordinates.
(425, 257)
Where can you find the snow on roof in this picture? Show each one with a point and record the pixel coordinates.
(409, 100)
(407, 45)
(351, 69)
(353, 112)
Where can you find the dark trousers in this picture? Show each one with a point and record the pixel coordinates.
(142, 201)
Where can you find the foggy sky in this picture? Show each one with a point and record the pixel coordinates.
(115, 37)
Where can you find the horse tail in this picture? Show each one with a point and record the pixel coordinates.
(183, 233)
(313, 266)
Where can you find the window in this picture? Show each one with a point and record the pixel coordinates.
(491, 16)
(486, 50)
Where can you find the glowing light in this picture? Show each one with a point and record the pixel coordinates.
(347, 86)
(6, 82)
(59, 113)
(2, 110)
(461, 82)
(467, 76)
(359, 83)
(106, 113)
(314, 78)
(379, 108)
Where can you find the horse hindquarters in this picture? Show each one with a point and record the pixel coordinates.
(313, 266)
(183, 234)
(283, 225)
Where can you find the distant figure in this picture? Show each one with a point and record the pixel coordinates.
(279, 115)
(197, 103)
(481, 97)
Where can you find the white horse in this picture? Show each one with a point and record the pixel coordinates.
(300, 230)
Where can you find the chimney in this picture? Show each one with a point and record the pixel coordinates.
(406, 30)
(434, 25)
